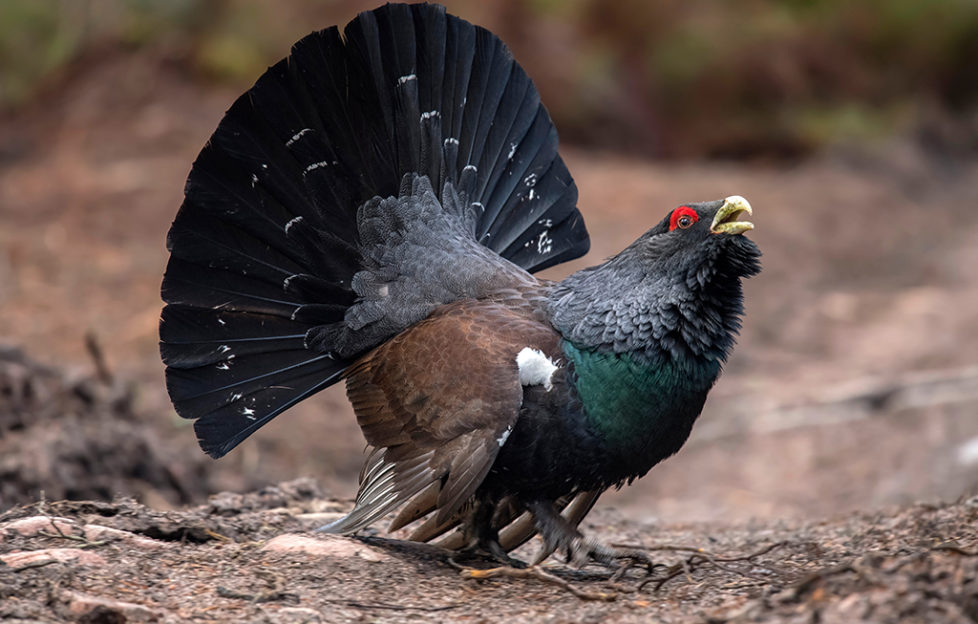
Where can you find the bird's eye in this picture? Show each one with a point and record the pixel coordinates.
(683, 218)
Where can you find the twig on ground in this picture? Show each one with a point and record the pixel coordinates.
(85, 542)
(820, 575)
(275, 592)
(957, 550)
(266, 596)
(700, 557)
(534, 572)
(35, 564)
(392, 607)
(94, 348)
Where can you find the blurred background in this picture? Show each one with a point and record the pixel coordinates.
(851, 127)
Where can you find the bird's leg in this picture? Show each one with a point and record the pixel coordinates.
(482, 538)
(560, 534)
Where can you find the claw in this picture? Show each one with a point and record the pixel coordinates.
(492, 551)
(620, 559)
(559, 534)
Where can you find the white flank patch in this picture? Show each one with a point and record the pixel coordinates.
(968, 452)
(535, 368)
(504, 435)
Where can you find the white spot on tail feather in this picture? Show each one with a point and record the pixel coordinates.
(297, 136)
(316, 165)
(404, 79)
(512, 151)
(248, 413)
(535, 368)
(294, 221)
(544, 242)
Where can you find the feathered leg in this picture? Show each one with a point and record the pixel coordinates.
(482, 537)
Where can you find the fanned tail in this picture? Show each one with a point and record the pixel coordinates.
(266, 245)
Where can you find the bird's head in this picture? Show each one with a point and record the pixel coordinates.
(677, 289)
(699, 241)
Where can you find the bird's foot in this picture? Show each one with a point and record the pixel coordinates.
(489, 550)
(560, 535)
(582, 551)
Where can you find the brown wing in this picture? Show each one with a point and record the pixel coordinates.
(434, 402)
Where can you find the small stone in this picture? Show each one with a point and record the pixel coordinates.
(32, 526)
(325, 546)
(21, 558)
(82, 606)
(97, 533)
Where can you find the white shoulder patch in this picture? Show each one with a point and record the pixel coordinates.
(535, 368)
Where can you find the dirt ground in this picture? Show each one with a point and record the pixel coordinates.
(845, 425)
(251, 558)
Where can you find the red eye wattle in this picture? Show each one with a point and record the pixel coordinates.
(682, 218)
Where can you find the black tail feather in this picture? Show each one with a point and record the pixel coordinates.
(266, 244)
(224, 427)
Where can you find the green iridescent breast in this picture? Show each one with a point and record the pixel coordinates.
(631, 400)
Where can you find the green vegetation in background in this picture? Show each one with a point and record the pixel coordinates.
(36, 38)
(667, 78)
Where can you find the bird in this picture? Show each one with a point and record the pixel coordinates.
(373, 211)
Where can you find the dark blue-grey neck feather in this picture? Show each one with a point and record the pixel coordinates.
(659, 301)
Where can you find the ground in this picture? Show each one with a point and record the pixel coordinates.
(252, 558)
(844, 425)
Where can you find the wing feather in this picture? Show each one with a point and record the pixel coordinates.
(434, 402)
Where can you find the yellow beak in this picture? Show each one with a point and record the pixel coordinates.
(727, 219)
